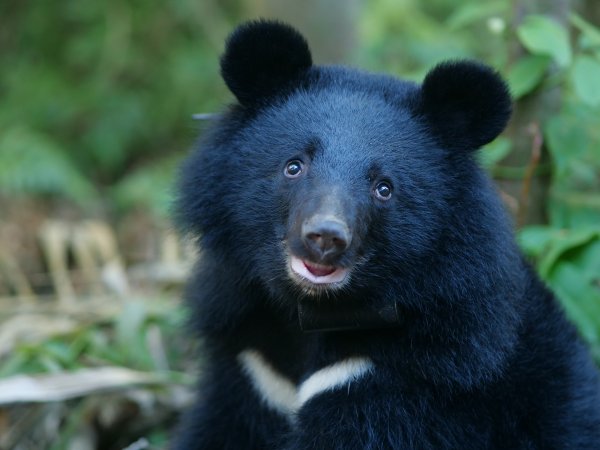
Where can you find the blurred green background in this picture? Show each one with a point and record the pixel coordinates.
(96, 105)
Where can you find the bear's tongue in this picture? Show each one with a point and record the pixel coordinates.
(317, 273)
(318, 270)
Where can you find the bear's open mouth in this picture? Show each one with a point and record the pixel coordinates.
(317, 273)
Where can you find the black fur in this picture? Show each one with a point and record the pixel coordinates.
(261, 58)
(467, 104)
(481, 358)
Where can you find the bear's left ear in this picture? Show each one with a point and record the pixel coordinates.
(262, 58)
(465, 103)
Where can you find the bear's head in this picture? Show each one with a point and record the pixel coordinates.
(335, 186)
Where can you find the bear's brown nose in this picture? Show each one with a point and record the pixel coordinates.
(325, 237)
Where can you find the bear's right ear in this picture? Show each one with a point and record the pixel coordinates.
(466, 104)
(261, 58)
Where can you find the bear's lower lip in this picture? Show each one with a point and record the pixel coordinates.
(317, 273)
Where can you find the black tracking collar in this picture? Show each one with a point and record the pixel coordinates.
(319, 315)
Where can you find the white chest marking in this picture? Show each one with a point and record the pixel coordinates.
(334, 376)
(281, 394)
(276, 390)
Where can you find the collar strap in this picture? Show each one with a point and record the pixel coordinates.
(318, 315)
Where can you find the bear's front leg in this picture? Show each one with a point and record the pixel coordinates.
(229, 413)
(344, 406)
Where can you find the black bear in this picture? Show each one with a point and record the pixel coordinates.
(359, 285)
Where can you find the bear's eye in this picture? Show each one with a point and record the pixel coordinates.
(293, 168)
(383, 190)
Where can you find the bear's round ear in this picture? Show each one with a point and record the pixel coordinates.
(261, 58)
(466, 104)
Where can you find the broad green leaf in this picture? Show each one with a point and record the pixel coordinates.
(543, 36)
(587, 260)
(580, 299)
(585, 77)
(535, 239)
(526, 74)
(563, 243)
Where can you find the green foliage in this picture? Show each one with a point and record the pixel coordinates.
(526, 74)
(494, 152)
(589, 38)
(99, 90)
(408, 37)
(567, 250)
(140, 337)
(32, 163)
(573, 139)
(586, 79)
(569, 261)
(470, 13)
(133, 191)
(543, 36)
